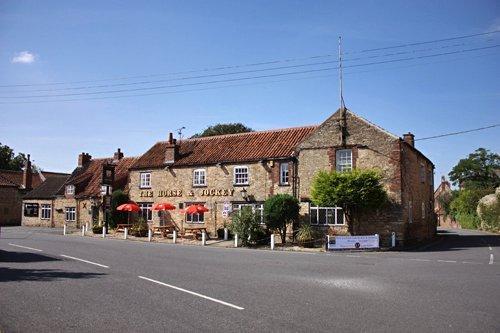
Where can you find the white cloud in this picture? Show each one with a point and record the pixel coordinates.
(24, 57)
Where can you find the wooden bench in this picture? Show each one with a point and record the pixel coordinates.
(195, 231)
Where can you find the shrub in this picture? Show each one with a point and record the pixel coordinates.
(246, 224)
(118, 197)
(356, 191)
(220, 233)
(468, 220)
(97, 229)
(306, 235)
(280, 210)
(139, 228)
(490, 214)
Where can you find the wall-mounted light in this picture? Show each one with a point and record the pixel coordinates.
(244, 194)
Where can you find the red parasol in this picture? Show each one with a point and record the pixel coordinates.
(129, 207)
(162, 206)
(196, 209)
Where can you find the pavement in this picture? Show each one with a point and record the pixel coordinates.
(55, 283)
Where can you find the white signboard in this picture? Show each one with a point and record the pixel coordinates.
(353, 242)
(225, 214)
(226, 207)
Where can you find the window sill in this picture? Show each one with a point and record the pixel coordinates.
(144, 188)
(284, 184)
(199, 186)
(240, 185)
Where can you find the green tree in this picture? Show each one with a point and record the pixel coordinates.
(10, 161)
(279, 211)
(219, 129)
(118, 197)
(357, 192)
(246, 224)
(463, 207)
(478, 170)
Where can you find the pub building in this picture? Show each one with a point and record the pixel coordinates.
(227, 172)
(80, 199)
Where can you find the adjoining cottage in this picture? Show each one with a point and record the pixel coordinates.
(236, 170)
(78, 201)
(14, 185)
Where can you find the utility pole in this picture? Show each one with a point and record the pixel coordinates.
(340, 75)
(343, 116)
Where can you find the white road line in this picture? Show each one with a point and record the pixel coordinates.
(447, 261)
(491, 258)
(193, 293)
(82, 260)
(490, 248)
(472, 262)
(25, 247)
(416, 259)
(352, 256)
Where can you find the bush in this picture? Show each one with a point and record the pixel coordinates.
(468, 221)
(246, 224)
(118, 197)
(220, 233)
(306, 235)
(97, 229)
(490, 215)
(139, 228)
(280, 210)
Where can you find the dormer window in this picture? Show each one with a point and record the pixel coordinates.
(70, 189)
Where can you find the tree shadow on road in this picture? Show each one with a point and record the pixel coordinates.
(448, 240)
(20, 274)
(8, 256)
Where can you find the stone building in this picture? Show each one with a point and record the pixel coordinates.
(14, 185)
(231, 171)
(79, 200)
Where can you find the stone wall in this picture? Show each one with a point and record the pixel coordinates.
(175, 186)
(10, 206)
(38, 221)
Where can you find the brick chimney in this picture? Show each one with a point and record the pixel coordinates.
(28, 175)
(409, 138)
(172, 150)
(118, 155)
(83, 159)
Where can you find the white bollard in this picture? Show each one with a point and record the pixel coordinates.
(86, 227)
(272, 241)
(103, 232)
(203, 238)
(393, 239)
(64, 229)
(174, 237)
(150, 235)
(125, 233)
(83, 230)
(235, 240)
(226, 234)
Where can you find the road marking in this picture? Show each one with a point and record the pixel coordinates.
(416, 259)
(447, 261)
(472, 262)
(82, 260)
(353, 256)
(193, 293)
(490, 248)
(491, 258)
(25, 247)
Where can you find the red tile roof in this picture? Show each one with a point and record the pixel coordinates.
(87, 179)
(15, 178)
(230, 148)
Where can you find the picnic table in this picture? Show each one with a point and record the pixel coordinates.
(163, 230)
(195, 231)
(121, 227)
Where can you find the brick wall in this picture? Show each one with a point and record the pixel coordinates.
(37, 221)
(10, 206)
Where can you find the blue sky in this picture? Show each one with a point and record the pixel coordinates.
(67, 41)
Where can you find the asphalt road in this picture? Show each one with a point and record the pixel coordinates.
(129, 286)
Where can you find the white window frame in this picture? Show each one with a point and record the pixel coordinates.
(285, 173)
(70, 189)
(199, 177)
(70, 214)
(145, 180)
(256, 207)
(46, 211)
(148, 207)
(238, 171)
(335, 212)
(342, 161)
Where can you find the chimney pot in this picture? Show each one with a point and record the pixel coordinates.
(84, 159)
(27, 174)
(170, 138)
(118, 155)
(409, 138)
